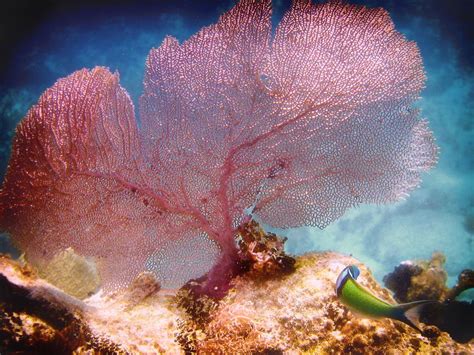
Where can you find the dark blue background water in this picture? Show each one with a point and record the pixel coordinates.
(43, 41)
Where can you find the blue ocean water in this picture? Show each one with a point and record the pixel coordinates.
(438, 216)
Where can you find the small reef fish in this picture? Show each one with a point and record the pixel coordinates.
(360, 300)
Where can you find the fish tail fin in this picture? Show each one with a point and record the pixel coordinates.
(409, 313)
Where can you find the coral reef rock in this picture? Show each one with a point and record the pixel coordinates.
(297, 312)
(300, 313)
(38, 318)
(426, 279)
(419, 280)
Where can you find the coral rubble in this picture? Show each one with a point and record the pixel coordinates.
(297, 312)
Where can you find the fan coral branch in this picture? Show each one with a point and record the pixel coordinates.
(315, 120)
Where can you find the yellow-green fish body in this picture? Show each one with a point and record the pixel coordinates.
(362, 301)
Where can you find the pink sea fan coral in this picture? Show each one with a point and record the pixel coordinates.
(314, 120)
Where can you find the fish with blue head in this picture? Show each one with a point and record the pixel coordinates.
(362, 301)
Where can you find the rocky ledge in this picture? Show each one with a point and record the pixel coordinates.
(293, 313)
